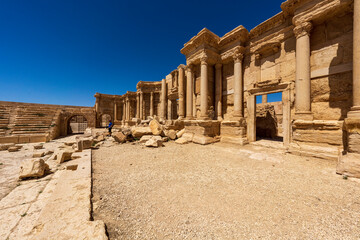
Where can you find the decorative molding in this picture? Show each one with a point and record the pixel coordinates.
(303, 29)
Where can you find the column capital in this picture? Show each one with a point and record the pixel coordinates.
(189, 68)
(204, 60)
(152, 93)
(303, 29)
(238, 57)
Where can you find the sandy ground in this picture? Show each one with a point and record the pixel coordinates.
(221, 192)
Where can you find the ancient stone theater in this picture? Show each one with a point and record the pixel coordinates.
(308, 55)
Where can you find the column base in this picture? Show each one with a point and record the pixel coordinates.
(354, 112)
(204, 118)
(306, 115)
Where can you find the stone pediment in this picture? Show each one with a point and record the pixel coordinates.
(267, 83)
(205, 38)
(239, 34)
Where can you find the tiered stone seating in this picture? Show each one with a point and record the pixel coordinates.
(4, 119)
(33, 120)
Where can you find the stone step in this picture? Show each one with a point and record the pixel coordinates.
(4, 121)
(29, 131)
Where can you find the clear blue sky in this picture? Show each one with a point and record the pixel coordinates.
(63, 51)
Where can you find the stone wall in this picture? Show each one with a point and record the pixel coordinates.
(28, 122)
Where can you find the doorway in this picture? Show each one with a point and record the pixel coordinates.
(269, 115)
(77, 124)
(104, 121)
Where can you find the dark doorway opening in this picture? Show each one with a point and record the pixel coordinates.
(77, 124)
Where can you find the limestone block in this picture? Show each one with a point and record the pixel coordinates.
(180, 133)
(182, 141)
(6, 146)
(153, 142)
(33, 168)
(145, 138)
(38, 154)
(69, 143)
(171, 134)
(138, 132)
(84, 142)
(354, 142)
(349, 165)
(38, 146)
(119, 137)
(188, 136)
(14, 148)
(318, 136)
(155, 127)
(204, 140)
(63, 156)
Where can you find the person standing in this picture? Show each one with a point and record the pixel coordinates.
(110, 126)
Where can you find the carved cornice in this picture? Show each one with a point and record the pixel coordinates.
(266, 50)
(269, 24)
(204, 37)
(212, 57)
(303, 29)
(239, 33)
(232, 54)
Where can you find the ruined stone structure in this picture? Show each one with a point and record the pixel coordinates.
(309, 54)
(28, 122)
(306, 53)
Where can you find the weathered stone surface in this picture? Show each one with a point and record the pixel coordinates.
(145, 138)
(38, 146)
(180, 133)
(33, 168)
(188, 136)
(14, 148)
(38, 154)
(171, 134)
(6, 146)
(138, 132)
(63, 156)
(119, 137)
(69, 143)
(182, 141)
(204, 140)
(354, 142)
(155, 127)
(84, 142)
(154, 142)
(349, 164)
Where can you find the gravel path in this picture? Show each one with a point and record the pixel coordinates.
(221, 192)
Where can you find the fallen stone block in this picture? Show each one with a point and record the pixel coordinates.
(49, 152)
(155, 127)
(63, 156)
(153, 142)
(145, 138)
(119, 137)
(38, 154)
(84, 142)
(69, 143)
(38, 146)
(33, 168)
(14, 148)
(4, 147)
(349, 165)
(138, 132)
(188, 136)
(180, 133)
(182, 141)
(171, 134)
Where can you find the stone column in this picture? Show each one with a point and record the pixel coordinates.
(151, 104)
(181, 93)
(356, 59)
(176, 83)
(127, 109)
(303, 77)
(143, 108)
(124, 110)
(238, 86)
(264, 98)
(163, 99)
(204, 88)
(141, 105)
(189, 93)
(218, 95)
(115, 112)
(137, 105)
(169, 110)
